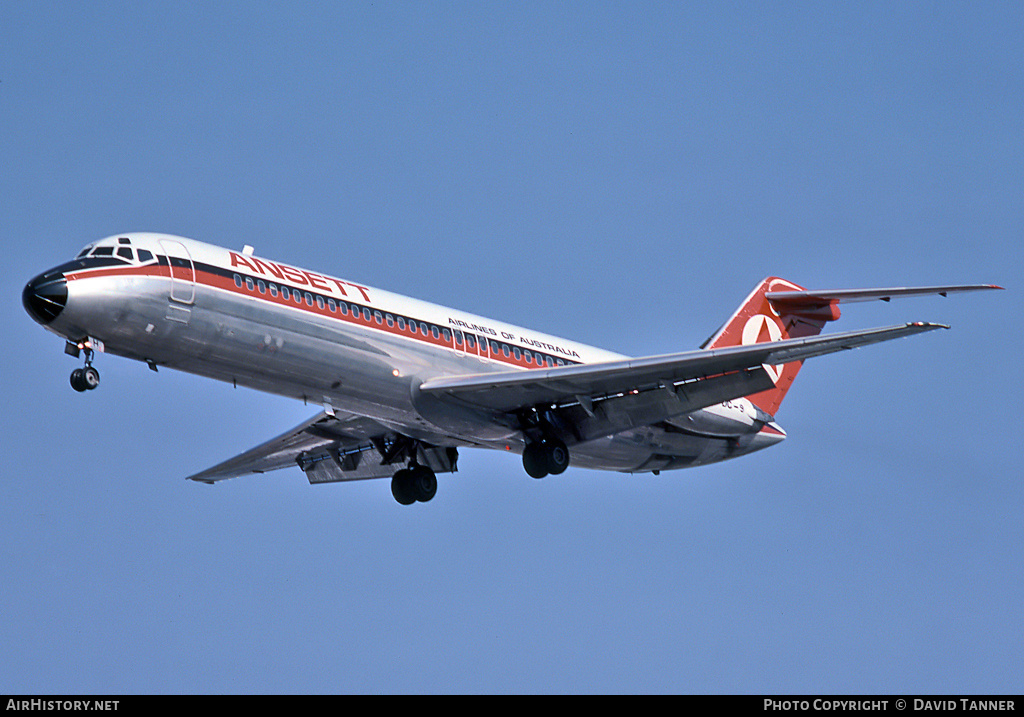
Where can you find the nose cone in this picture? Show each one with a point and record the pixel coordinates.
(45, 296)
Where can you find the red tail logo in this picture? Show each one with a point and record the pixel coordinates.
(758, 320)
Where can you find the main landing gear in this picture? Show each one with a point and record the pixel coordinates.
(415, 483)
(548, 456)
(86, 378)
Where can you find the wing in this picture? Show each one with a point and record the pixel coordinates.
(331, 448)
(617, 395)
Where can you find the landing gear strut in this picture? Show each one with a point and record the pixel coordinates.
(87, 378)
(545, 457)
(415, 483)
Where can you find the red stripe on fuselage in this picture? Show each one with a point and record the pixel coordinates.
(224, 283)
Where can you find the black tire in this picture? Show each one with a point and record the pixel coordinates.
(557, 456)
(535, 460)
(401, 487)
(423, 483)
(78, 380)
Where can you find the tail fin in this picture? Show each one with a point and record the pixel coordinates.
(761, 319)
(779, 309)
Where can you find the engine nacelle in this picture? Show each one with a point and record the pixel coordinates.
(730, 419)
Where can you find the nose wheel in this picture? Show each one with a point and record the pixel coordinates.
(86, 378)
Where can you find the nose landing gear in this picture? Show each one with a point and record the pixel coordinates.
(86, 378)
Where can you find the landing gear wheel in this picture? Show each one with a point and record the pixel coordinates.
(87, 378)
(424, 483)
(534, 460)
(91, 377)
(401, 487)
(78, 380)
(547, 457)
(557, 456)
(416, 483)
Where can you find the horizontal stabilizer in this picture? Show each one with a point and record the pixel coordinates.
(779, 309)
(828, 296)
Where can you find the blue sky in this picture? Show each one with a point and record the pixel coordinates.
(619, 174)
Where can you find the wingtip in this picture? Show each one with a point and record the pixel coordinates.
(198, 479)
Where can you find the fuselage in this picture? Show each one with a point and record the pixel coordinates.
(229, 315)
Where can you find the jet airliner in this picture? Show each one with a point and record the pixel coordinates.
(401, 385)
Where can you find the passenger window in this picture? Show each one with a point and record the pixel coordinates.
(366, 313)
(273, 289)
(390, 319)
(494, 347)
(320, 302)
(401, 323)
(261, 285)
(528, 356)
(309, 299)
(447, 336)
(458, 337)
(517, 352)
(285, 294)
(435, 332)
(378, 317)
(344, 308)
(470, 341)
(238, 281)
(145, 255)
(332, 305)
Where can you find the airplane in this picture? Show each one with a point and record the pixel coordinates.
(403, 384)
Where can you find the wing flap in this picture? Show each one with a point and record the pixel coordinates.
(593, 419)
(330, 448)
(511, 391)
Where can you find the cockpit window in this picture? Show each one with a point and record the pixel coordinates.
(122, 249)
